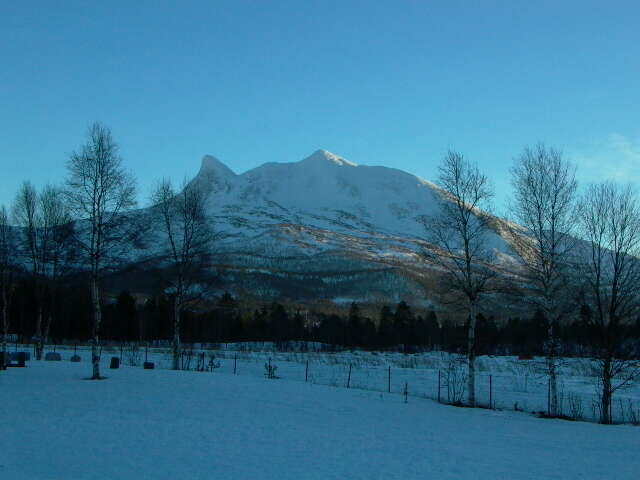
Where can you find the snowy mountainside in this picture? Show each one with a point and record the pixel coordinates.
(322, 227)
(322, 191)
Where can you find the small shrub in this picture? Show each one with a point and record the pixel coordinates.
(455, 378)
(213, 364)
(270, 370)
(630, 412)
(576, 410)
(132, 354)
(185, 359)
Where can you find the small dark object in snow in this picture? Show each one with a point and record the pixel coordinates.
(19, 358)
(5, 359)
(15, 356)
(52, 357)
(270, 370)
(115, 363)
(75, 358)
(149, 365)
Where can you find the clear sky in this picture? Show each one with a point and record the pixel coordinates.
(392, 83)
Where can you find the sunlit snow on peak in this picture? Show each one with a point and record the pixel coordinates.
(324, 156)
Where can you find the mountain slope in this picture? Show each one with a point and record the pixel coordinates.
(320, 228)
(322, 191)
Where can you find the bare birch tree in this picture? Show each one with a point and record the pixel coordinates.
(610, 222)
(544, 188)
(99, 190)
(6, 272)
(459, 235)
(56, 229)
(188, 236)
(27, 215)
(45, 226)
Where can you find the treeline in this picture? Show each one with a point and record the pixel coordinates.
(396, 327)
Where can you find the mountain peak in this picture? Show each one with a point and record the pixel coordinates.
(323, 156)
(211, 164)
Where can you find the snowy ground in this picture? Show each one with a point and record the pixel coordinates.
(160, 424)
(505, 382)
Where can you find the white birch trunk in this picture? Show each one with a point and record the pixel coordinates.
(5, 325)
(552, 367)
(47, 327)
(39, 346)
(176, 333)
(49, 321)
(95, 340)
(607, 392)
(471, 356)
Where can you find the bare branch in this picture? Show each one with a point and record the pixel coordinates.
(544, 188)
(189, 236)
(459, 237)
(610, 221)
(99, 191)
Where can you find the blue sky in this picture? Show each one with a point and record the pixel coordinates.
(392, 83)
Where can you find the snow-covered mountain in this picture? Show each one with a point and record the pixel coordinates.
(323, 227)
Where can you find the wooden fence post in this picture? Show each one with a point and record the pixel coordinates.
(438, 386)
(490, 391)
(349, 377)
(306, 371)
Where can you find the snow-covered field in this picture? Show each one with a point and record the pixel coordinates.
(160, 424)
(504, 382)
